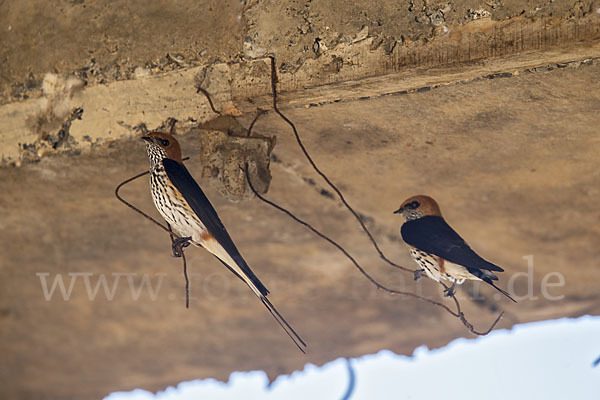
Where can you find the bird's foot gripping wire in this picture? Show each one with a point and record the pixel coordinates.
(178, 244)
(450, 291)
(418, 274)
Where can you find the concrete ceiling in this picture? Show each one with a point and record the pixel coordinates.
(513, 161)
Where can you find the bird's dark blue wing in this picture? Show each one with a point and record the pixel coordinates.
(433, 235)
(195, 197)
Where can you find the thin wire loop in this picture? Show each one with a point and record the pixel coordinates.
(168, 230)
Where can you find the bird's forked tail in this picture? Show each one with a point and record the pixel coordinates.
(262, 295)
(504, 292)
(284, 324)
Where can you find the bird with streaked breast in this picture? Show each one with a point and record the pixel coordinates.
(182, 203)
(438, 250)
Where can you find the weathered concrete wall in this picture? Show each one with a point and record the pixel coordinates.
(136, 63)
(506, 140)
(103, 42)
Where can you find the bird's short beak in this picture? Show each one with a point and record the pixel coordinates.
(147, 139)
(399, 211)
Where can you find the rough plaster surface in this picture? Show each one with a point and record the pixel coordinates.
(103, 42)
(491, 108)
(513, 163)
(33, 128)
(126, 86)
(108, 41)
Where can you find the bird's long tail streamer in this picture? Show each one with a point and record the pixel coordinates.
(287, 328)
(284, 324)
(502, 291)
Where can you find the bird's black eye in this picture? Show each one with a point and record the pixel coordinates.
(163, 142)
(414, 205)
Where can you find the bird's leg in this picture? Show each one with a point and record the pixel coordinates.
(450, 291)
(418, 274)
(178, 244)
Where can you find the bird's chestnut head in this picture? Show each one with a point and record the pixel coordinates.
(418, 206)
(161, 145)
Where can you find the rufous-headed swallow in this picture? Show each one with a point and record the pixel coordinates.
(181, 202)
(438, 250)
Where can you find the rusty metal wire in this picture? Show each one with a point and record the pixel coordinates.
(458, 313)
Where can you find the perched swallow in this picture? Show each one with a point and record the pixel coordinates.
(181, 202)
(438, 250)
